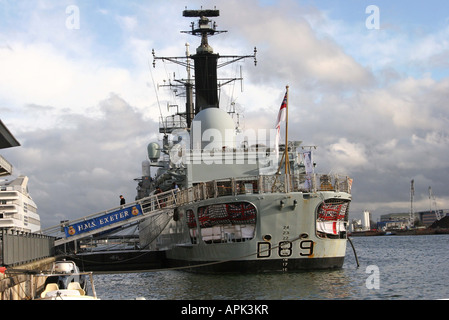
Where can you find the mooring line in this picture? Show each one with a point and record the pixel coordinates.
(355, 253)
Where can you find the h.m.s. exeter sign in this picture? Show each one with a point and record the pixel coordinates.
(102, 221)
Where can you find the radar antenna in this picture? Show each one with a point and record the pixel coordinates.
(205, 64)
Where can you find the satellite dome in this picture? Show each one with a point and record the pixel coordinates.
(213, 128)
(154, 151)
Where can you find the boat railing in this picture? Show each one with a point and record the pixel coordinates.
(9, 204)
(172, 122)
(259, 185)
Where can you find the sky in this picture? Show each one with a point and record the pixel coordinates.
(368, 85)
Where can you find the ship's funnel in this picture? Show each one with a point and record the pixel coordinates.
(205, 81)
(205, 60)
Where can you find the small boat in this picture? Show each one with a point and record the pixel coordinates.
(73, 292)
(66, 282)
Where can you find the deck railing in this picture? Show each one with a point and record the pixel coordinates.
(247, 185)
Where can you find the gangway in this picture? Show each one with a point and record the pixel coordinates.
(128, 214)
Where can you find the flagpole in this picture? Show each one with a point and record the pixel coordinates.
(287, 162)
(284, 158)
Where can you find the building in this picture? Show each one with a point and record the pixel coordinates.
(398, 221)
(7, 140)
(428, 217)
(363, 224)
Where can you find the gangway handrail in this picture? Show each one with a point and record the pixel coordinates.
(150, 206)
(100, 213)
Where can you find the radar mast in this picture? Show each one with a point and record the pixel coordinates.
(205, 64)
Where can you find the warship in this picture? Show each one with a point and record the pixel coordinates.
(240, 206)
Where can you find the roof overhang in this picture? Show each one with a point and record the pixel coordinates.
(7, 140)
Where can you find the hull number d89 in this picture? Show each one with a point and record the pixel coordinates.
(285, 249)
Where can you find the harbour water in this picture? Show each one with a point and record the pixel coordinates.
(391, 268)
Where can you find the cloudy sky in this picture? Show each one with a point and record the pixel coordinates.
(369, 85)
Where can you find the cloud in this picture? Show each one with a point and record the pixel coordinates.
(291, 50)
(82, 168)
(347, 155)
(40, 74)
(127, 22)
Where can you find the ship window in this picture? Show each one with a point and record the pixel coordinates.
(332, 218)
(224, 188)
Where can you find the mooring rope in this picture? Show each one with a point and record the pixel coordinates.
(355, 253)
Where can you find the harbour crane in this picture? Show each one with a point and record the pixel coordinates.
(433, 201)
(412, 194)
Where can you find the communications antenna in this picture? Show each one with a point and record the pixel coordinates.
(201, 87)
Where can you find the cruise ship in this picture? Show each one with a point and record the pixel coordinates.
(17, 209)
(241, 206)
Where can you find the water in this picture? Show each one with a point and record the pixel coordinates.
(391, 267)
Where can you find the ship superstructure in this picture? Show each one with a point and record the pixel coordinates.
(241, 207)
(17, 209)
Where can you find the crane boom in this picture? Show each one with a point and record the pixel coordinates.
(433, 201)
